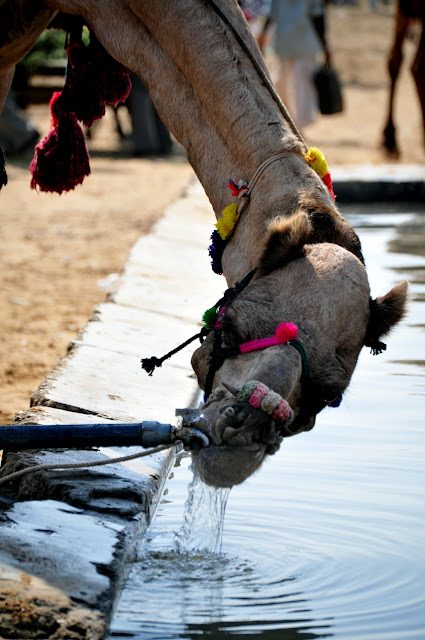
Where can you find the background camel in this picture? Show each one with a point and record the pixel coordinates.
(408, 12)
(211, 88)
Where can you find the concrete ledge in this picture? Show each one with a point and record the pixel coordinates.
(67, 538)
(383, 183)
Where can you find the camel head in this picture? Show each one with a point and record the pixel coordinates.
(255, 398)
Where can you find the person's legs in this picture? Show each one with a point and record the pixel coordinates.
(306, 107)
(284, 83)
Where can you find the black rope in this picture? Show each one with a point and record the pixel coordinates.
(218, 354)
(150, 364)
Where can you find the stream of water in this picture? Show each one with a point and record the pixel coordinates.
(327, 540)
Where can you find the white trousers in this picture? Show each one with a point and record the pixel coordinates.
(294, 84)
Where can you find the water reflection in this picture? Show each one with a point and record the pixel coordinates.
(327, 539)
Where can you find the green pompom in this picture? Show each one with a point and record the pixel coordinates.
(210, 318)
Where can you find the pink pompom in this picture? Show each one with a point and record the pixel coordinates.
(286, 331)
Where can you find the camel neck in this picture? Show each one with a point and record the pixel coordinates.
(209, 93)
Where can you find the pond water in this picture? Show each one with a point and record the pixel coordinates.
(327, 540)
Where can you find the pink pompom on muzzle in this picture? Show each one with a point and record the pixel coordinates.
(285, 332)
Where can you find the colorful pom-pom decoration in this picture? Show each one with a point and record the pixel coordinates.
(215, 251)
(228, 220)
(285, 332)
(259, 396)
(226, 224)
(239, 188)
(210, 318)
(317, 161)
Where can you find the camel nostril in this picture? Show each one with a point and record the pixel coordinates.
(241, 416)
(228, 433)
(239, 440)
(229, 412)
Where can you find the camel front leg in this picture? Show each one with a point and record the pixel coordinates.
(394, 65)
(418, 72)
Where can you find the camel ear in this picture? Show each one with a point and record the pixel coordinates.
(385, 313)
(285, 242)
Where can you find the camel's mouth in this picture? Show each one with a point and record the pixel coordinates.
(225, 466)
(239, 438)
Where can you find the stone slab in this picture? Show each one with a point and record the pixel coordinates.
(67, 538)
(102, 382)
(97, 515)
(126, 330)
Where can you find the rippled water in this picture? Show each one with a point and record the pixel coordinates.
(327, 540)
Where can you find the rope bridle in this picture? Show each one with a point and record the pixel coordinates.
(316, 396)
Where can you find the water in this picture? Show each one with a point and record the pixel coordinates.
(327, 540)
(203, 518)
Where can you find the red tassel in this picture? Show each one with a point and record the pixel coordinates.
(61, 159)
(328, 182)
(95, 79)
(83, 92)
(114, 80)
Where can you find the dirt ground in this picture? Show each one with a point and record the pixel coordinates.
(56, 249)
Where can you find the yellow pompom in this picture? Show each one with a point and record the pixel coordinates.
(317, 161)
(228, 220)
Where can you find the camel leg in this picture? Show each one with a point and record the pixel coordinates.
(394, 64)
(418, 72)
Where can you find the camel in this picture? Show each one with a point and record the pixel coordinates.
(408, 11)
(286, 336)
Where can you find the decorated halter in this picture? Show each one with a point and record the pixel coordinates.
(286, 333)
(258, 395)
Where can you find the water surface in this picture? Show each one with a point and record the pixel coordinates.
(327, 540)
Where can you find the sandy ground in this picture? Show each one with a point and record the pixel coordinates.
(57, 249)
